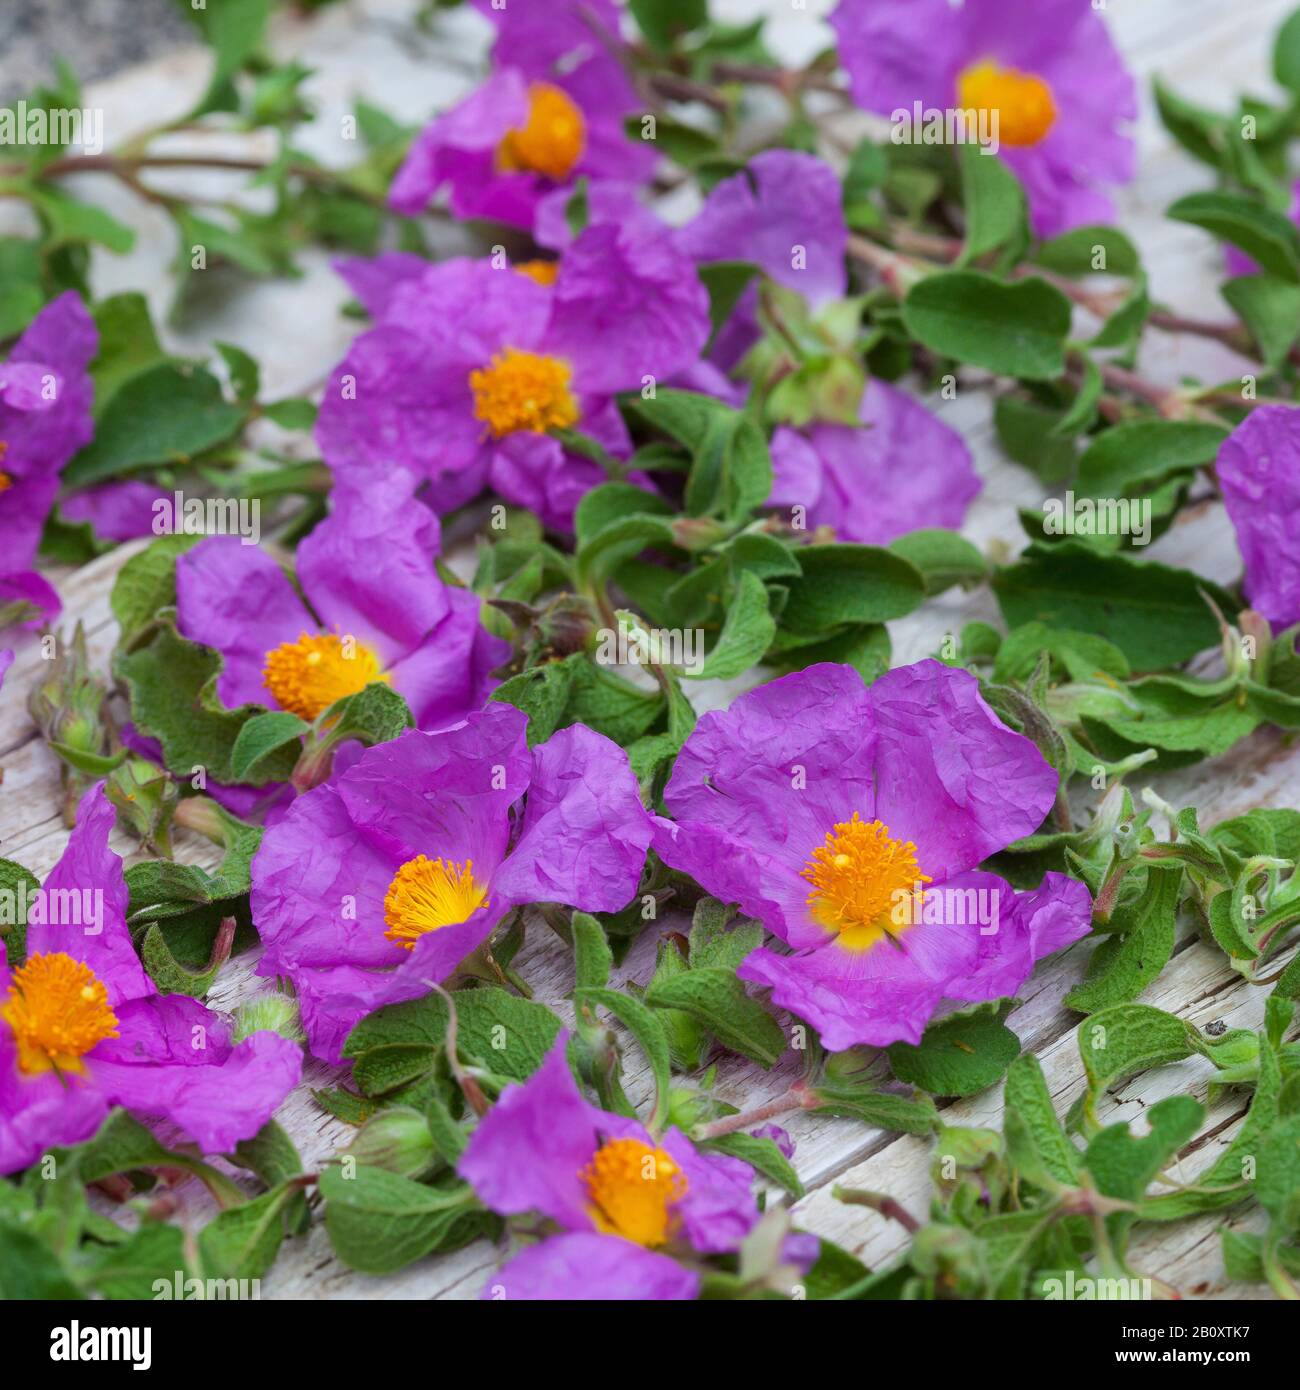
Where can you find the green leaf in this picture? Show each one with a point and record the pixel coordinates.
(1157, 616)
(147, 583)
(959, 1056)
(1286, 53)
(69, 221)
(133, 1268)
(260, 737)
(1089, 250)
(1201, 133)
(1127, 1038)
(500, 1032)
(993, 201)
(647, 1028)
(170, 683)
(29, 1269)
(1123, 965)
(243, 1241)
(379, 1222)
(717, 999)
(168, 414)
(662, 21)
(944, 558)
(21, 294)
(1015, 329)
(746, 634)
(1036, 1144)
(844, 583)
(1138, 453)
(725, 281)
(1266, 236)
(591, 954)
(17, 885)
(881, 1109)
(234, 29)
(1270, 309)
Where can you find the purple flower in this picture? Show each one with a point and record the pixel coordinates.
(851, 821)
(622, 1198)
(82, 1029)
(904, 471)
(118, 511)
(378, 612)
(1259, 475)
(472, 368)
(385, 878)
(45, 400)
(519, 137)
(1047, 67)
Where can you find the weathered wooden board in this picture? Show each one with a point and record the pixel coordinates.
(368, 47)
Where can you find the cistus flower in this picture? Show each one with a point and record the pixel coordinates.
(472, 368)
(1046, 67)
(45, 400)
(624, 1201)
(373, 608)
(82, 1028)
(1258, 469)
(551, 113)
(851, 822)
(381, 881)
(903, 471)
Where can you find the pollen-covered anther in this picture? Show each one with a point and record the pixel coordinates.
(58, 1010)
(524, 391)
(309, 675)
(552, 138)
(865, 883)
(426, 894)
(1023, 102)
(634, 1189)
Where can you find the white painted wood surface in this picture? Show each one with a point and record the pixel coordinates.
(1208, 51)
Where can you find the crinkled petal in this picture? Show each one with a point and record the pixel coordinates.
(784, 211)
(950, 776)
(99, 937)
(585, 832)
(718, 1209)
(591, 1268)
(1259, 475)
(216, 1105)
(117, 511)
(627, 305)
(368, 568)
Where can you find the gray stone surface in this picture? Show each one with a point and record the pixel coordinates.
(96, 37)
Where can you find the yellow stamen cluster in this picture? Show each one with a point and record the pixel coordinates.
(860, 877)
(633, 1190)
(309, 675)
(1026, 111)
(58, 1010)
(544, 272)
(551, 139)
(426, 894)
(523, 391)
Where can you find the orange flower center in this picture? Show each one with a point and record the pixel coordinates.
(6, 481)
(544, 272)
(309, 675)
(633, 1190)
(551, 139)
(523, 391)
(865, 883)
(58, 1010)
(1026, 111)
(426, 894)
